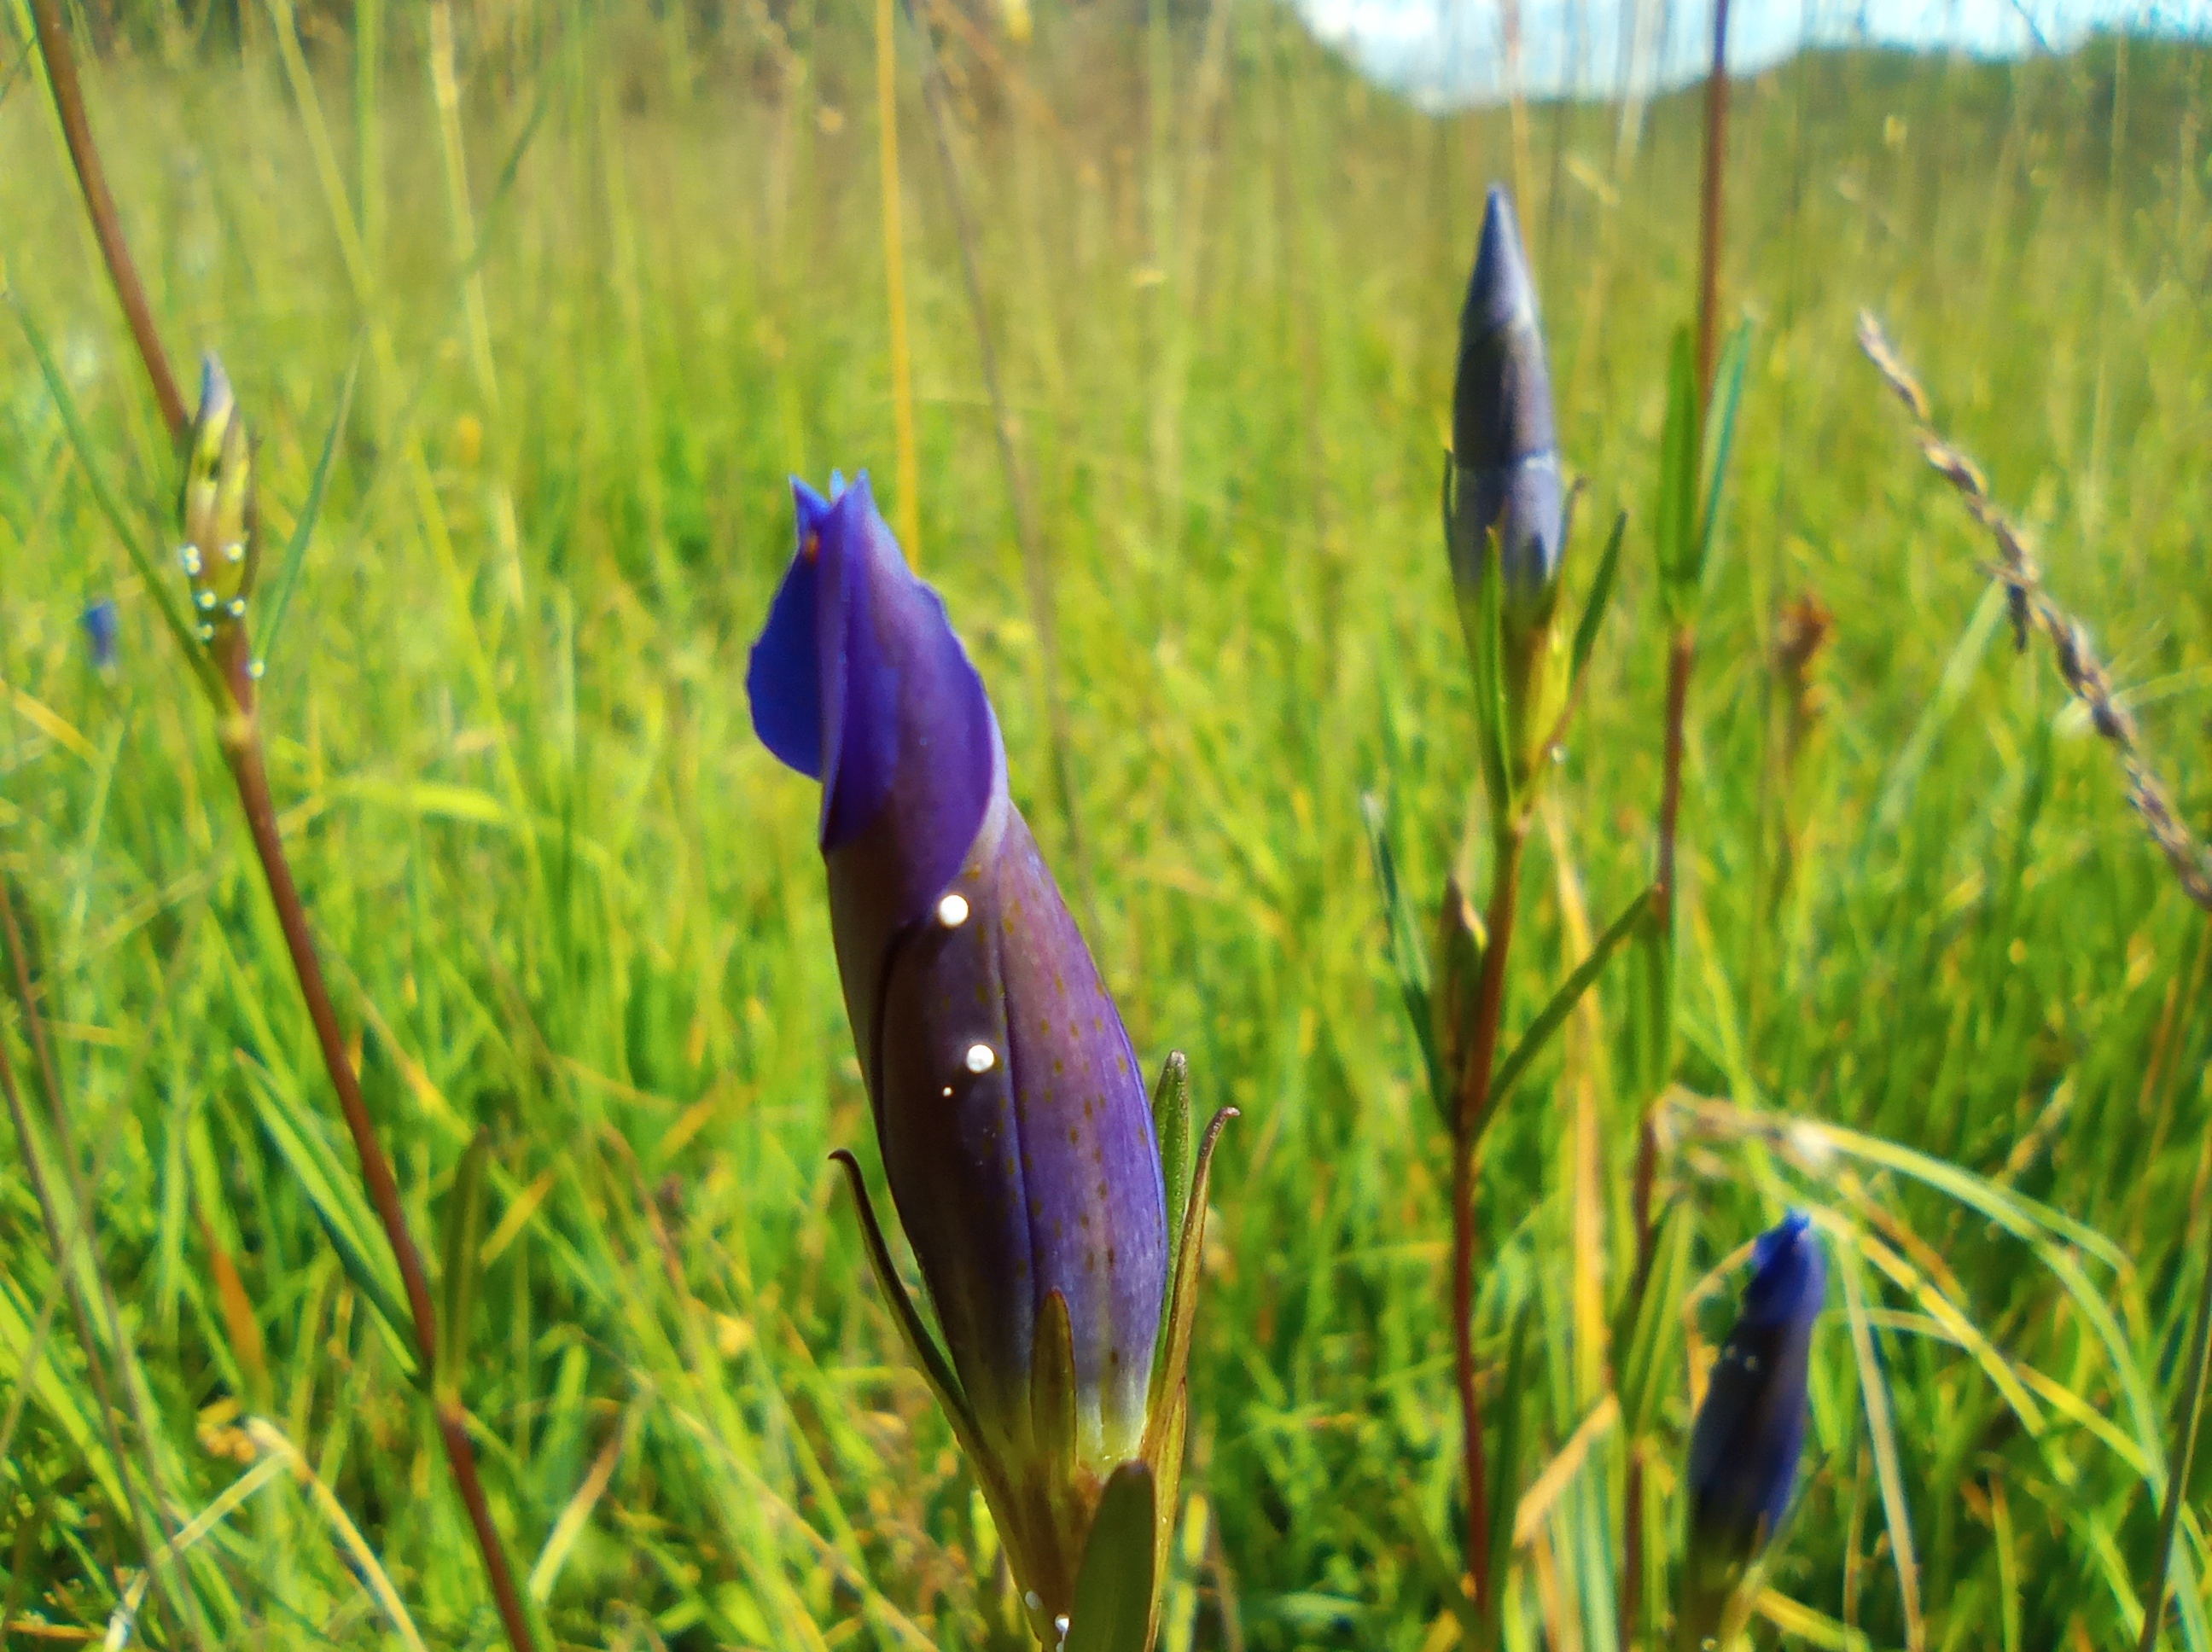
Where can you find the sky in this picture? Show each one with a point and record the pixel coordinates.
(1450, 53)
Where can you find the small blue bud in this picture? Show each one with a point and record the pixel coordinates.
(1750, 1430)
(103, 628)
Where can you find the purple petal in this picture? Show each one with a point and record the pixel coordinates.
(1019, 1141)
(783, 678)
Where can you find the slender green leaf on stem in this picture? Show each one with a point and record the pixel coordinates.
(1673, 523)
(1554, 1014)
(1172, 1349)
(1595, 607)
(295, 551)
(462, 1267)
(1113, 1610)
(1719, 439)
(1407, 961)
(935, 1367)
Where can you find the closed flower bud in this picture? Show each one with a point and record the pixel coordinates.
(1014, 1120)
(215, 507)
(1750, 1430)
(1504, 451)
(103, 629)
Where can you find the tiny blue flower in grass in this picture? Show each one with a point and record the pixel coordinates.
(1007, 1101)
(103, 630)
(1750, 1431)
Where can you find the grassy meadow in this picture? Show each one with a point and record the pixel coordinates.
(1934, 982)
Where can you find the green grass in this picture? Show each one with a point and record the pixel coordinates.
(566, 896)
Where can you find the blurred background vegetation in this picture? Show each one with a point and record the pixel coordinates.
(628, 277)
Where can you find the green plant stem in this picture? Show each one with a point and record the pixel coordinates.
(1681, 657)
(241, 749)
(1474, 1108)
(100, 205)
(238, 734)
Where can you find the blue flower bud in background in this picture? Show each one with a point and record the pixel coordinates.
(1750, 1431)
(1505, 455)
(1012, 1118)
(103, 628)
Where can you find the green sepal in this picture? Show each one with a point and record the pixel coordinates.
(1461, 940)
(458, 1279)
(1171, 1129)
(936, 1369)
(1171, 1350)
(1486, 651)
(1115, 1591)
(1554, 1014)
(1654, 1326)
(1408, 962)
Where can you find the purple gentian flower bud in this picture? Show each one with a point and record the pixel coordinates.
(1750, 1430)
(1504, 453)
(1012, 1115)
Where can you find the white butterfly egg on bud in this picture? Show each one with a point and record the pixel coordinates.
(952, 911)
(980, 1059)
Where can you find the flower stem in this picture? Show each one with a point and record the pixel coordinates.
(1473, 1111)
(241, 746)
(239, 733)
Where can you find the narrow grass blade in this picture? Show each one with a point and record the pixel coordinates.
(1171, 1129)
(1651, 1338)
(462, 1264)
(1600, 599)
(1408, 962)
(1881, 1437)
(303, 531)
(1554, 1014)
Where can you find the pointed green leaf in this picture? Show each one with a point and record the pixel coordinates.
(1113, 1610)
(463, 1225)
(1720, 437)
(1554, 1014)
(1171, 1352)
(1171, 1129)
(1496, 731)
(1461, 940)
(1408, 962)
(1675, 521)
(935, 1368)
(1594, 609)
(296, 552)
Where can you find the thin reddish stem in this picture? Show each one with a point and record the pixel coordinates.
(1474, 1109)
(1681, 657)
(107, 222)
